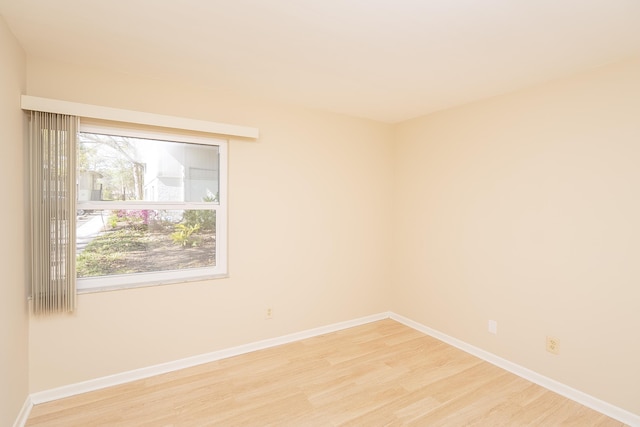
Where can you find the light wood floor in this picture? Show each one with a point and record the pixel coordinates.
(379, 374)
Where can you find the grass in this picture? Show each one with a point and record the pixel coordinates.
(107, 253)
(138, 249)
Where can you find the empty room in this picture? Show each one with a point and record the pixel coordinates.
(299, 213)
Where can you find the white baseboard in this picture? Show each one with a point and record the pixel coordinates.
(125, 377)
(587, 400)
(137, 374)
(21, 420)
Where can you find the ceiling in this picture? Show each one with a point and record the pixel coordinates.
(386, 60)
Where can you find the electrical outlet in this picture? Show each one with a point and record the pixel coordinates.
(553, 345)
(493, 327)
(269, 313)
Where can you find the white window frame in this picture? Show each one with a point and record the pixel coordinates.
(103, 283)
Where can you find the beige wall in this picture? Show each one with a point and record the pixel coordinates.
(13, 306)
(525, 209)
(522, 208)
(308, 227)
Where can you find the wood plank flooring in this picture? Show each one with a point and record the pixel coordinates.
(379, 374)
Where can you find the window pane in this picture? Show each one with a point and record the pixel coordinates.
(138, 241)
(125, 168)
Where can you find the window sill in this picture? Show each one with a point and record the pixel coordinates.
(125, 286)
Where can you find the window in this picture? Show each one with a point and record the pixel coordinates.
(151, 207)
(123, 206)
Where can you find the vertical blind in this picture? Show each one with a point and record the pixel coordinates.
(53, 197)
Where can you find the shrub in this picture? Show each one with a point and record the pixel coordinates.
(184, 237)
(138, 218)
(205, 220)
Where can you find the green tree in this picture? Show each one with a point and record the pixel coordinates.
(118, 160)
